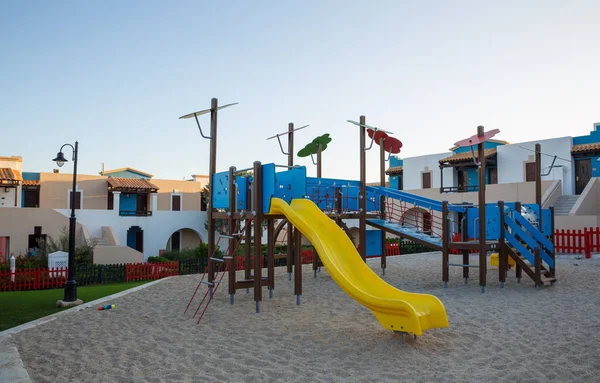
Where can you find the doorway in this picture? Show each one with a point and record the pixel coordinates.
(135, 238)
(427, 223)
(31, 198)
(583, 174)
(142, 203)
(4, 249)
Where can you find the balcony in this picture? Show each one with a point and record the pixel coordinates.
(135, 213)
(459, 189)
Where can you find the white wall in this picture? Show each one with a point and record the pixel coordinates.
(414, 166)
(7, 196)
(157, 228)
(511, 159)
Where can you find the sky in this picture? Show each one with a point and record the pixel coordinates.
(117, 75)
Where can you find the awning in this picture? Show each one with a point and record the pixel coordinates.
(394, 171)
(10, 176)
(131, 185)
(466, 158)
(583, 148)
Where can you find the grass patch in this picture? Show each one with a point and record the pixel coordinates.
(18, 307)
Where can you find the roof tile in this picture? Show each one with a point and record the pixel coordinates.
(466, 156)
(31, 183)
(8, 175)
(394, 170)
(130, 184)
(585, 148)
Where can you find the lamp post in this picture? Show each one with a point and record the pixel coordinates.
(71, 285)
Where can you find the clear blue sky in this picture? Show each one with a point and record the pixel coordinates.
(116, 75)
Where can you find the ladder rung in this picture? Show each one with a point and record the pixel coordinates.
(226, 236)
(237, 234)
(460, 265)
(228, 257)
(207, 283)
(217, 260)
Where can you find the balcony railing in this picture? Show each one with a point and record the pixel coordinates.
(459, 189)
(135, 213)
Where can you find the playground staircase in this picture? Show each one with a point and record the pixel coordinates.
(408, 232)
(565, 204)
(529, 248)
(398, 207)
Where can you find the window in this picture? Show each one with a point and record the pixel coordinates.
(426, 180)
(530, 171)
(176, 241)
(400, 181)
(175, 202)
(31, 198)
(203, 206)
(493, 176)
(77, 199)
(111, 201)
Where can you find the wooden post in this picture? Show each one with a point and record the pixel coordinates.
(270, 254)
(441, 179)
(290, 227)
(214, 103)
(258, 218)
(382, 203)
(538, 267)
(465, 253)
(552, 239)
(319, 150)
(482, 234)
(502, 261)
(445, 240)
(362, 193)
(297, 265)
(248, 239)
(538, 181)
(231, 229)
(518, 270)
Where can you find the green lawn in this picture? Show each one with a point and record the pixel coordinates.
(18, 307)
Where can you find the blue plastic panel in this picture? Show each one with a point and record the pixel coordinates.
(242, 192)
(492, 222)
(220, 186)
(322, 191)
(374, 243)
(268, 186)
(546, 222)
(291, 184)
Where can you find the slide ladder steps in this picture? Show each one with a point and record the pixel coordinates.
(529, 268)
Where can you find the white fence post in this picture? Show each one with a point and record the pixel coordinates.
(13, 266)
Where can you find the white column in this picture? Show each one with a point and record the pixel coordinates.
(154, 202)
(19, 192)
(116, 202)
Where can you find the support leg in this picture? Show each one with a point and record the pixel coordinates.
(231, 298)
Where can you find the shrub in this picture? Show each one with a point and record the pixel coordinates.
(158, 259)
(84, 253)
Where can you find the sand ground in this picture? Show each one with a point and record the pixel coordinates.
(514, 334)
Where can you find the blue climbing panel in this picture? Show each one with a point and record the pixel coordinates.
(220, 186)
(492, 222)
(374, 239)
(290, 184)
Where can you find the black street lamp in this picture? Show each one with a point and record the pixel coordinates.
(71, 285)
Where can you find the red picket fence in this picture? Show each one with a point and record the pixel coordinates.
(578, 242)
(33, 279)
(392, 249)
(150, 271)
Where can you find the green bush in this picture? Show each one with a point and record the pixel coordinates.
(158, 259)
(200, 252)
(84, 253)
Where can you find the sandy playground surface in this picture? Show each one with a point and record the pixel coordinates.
(515, 334)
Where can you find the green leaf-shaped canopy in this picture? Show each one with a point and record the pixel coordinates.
(313, 147)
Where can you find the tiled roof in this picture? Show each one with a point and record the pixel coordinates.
(130, 184)
(466, 156)
(132, 170)
(31, 183)
(585, 148)
(10, 176)
(394, 170)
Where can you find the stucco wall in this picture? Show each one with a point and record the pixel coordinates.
(8, 196)
(511, 159)
(190, 194)
(522, 191)
(18, 224)
(105, 255)
(413, 167)
(157, 228)
(54, 189)
(13, 162)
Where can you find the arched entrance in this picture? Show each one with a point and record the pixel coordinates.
(135, 238)
(183, 239)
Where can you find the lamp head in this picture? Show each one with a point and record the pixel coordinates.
(60, 159)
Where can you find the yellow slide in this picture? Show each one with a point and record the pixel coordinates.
(395, 309)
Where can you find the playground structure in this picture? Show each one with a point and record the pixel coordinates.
(317, 208)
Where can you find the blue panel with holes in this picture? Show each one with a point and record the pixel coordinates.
(374, 243)
(220, 186)
(268, 186)
(492, 222)
(290, 184)
(242, 192)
